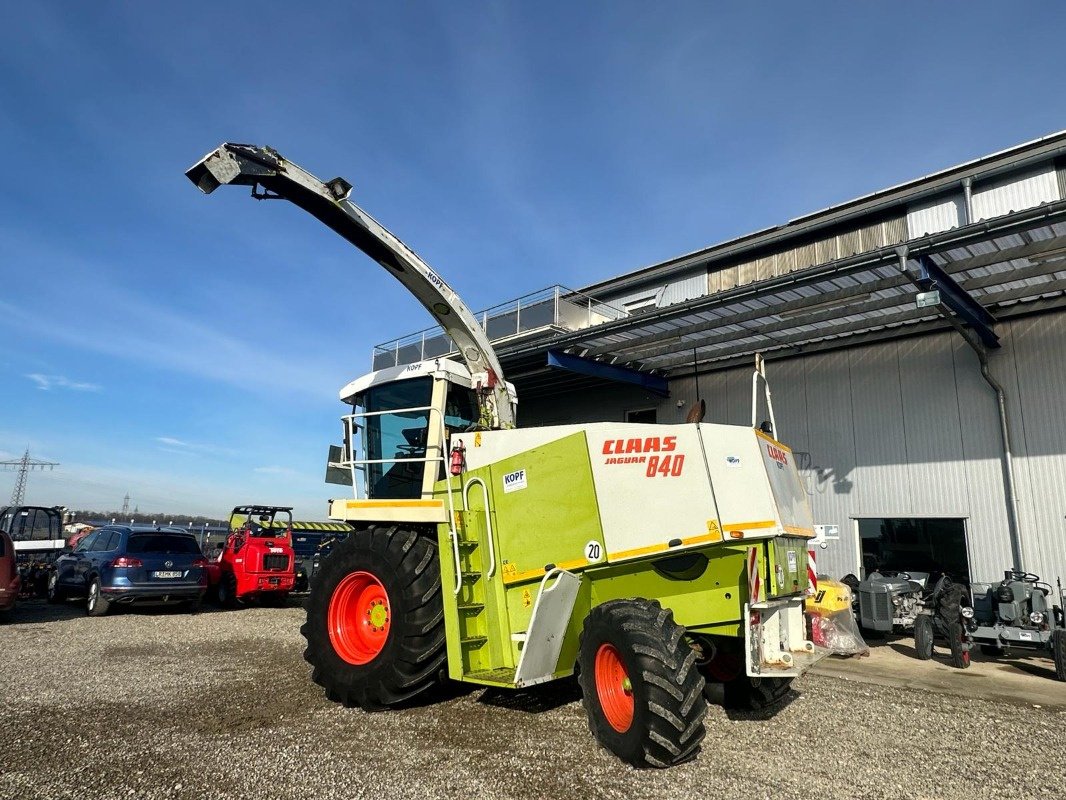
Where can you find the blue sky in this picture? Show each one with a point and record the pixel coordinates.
(189, 350)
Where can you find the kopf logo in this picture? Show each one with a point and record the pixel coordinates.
(777, 454)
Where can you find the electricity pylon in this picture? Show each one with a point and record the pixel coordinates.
(23, 466)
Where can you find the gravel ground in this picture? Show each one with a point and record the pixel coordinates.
(220, 705)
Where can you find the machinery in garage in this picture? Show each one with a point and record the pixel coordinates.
(643, 557)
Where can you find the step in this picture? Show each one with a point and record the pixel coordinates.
(473, 641)
(471, 577)
(503, 676)
(464, 544)
(474, 608)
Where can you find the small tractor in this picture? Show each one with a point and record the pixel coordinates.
(647, 559)
(1016, 614)
(256, 560)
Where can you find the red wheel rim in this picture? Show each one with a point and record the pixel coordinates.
(614, 688)
(359, 618)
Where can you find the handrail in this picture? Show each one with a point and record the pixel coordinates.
(488, 519)
(440, 458)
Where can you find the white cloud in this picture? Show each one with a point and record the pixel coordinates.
(276, 470)
(168, 444)
(47, 383)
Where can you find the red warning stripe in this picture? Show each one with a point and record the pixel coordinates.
(754, 581)
(812, 574)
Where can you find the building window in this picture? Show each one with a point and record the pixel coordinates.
(645, 415)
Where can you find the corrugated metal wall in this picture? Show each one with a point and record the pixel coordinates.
(939, 215)
(1015, 193)
(910, 429)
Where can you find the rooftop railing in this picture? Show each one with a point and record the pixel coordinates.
(555, 309)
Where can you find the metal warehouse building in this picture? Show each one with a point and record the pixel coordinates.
(875, 317)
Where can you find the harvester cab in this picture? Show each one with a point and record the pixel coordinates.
(648, 559)
(256, 560)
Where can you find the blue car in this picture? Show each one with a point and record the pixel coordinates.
(131, 564)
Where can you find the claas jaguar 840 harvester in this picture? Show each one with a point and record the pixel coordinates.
(649, 559)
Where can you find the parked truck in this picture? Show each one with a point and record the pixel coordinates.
(646, 558)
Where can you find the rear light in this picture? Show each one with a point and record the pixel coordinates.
(126, 561)
(199, 562)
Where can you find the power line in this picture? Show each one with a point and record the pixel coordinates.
(23, 466)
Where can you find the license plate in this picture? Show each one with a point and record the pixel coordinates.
(1025, 636)
(275, 581)
(166, 574)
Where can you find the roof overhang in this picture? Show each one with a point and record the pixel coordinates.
(988, 271)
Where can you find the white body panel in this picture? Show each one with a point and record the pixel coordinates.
(662, 487)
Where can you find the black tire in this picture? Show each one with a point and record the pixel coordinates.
(666, 723)
(53, 591)
(412, 657)
(756, 694)
(923, 637)
(949, 603)
(96, 605)
(960, 655)
(1058, 650)
(226, 591)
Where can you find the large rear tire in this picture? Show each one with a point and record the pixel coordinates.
(1058, 650)
(640, 686)
(950, 602)
(923, 637)
(375, 619)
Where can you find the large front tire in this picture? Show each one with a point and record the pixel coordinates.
(375, 619)
(923, 637)
(641, 689)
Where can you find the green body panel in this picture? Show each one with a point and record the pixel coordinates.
(549, 522)
(788, 565)
(552, 519)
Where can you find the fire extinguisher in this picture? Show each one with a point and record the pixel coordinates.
(458, 458)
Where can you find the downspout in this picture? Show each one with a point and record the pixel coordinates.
(967, 193)
(1008, 461)
(1001, 403)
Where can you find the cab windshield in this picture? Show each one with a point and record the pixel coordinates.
(399, 433)
(394, 433)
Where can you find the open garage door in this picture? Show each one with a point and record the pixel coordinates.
(934, 545)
